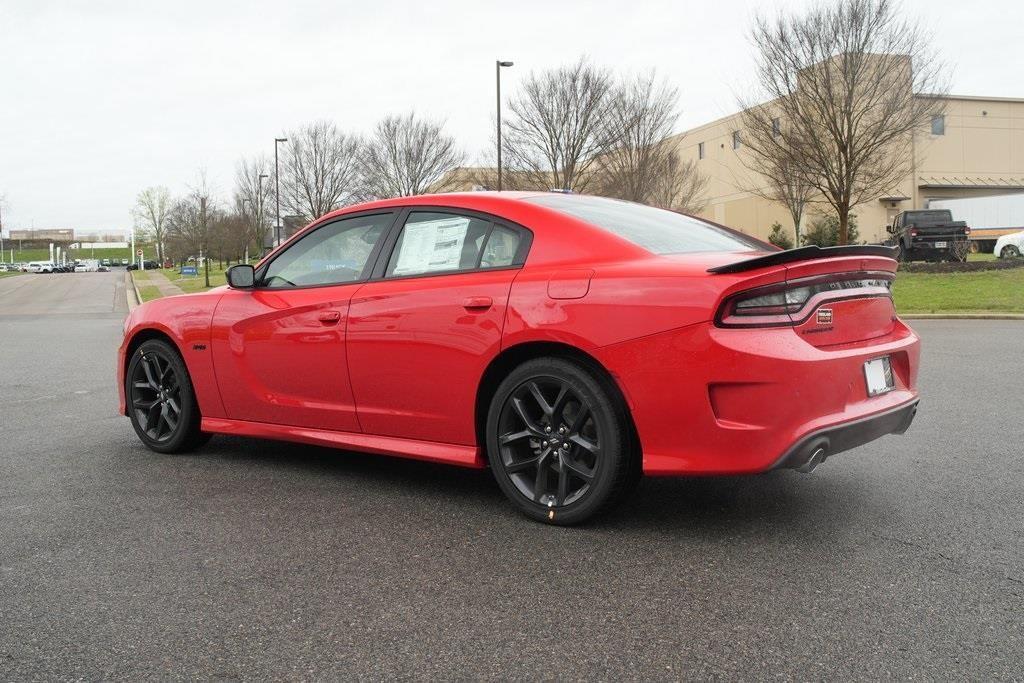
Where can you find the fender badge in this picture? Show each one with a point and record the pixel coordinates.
(824, 316)
(199, 347)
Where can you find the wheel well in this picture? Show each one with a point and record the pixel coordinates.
(144, 336)
(514, 356)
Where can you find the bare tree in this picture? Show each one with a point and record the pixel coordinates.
(319, 170)
(848, 84)
(408, 156)
(677, 185)
(189, 222)
(185, 234)
(150, 212)
(555, 133)
(254, 200)
(781, 179)
(642, 164)
(640, 116)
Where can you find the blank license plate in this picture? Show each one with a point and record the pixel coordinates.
(878, 373)
(941, 245)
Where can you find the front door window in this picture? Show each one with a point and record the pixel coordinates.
(334, 254)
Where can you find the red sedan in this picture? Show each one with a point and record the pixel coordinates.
(571, 343)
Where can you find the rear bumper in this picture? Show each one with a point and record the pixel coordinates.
(708, 400)
(815, 448)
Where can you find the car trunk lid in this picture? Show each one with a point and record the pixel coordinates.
(851, 299)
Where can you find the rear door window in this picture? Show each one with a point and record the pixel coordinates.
(433, 242)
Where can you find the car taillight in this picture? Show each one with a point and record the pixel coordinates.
(967, 230)
(793, 302)
(913, 233)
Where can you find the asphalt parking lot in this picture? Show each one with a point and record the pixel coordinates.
(257, 560)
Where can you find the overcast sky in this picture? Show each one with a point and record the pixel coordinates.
(99, 99)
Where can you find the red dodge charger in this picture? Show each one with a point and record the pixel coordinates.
(570, 343)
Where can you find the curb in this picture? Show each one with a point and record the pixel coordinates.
(132, 292)
(961, 316)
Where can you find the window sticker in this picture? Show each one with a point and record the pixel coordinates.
(432, 245)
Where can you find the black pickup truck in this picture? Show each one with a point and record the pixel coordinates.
(929, 235)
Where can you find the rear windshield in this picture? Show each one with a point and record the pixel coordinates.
(933, 216)
(656, 230)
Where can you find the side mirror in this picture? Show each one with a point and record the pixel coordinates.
(242, 276)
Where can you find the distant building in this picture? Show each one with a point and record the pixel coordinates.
(975, 149)
(48, 235)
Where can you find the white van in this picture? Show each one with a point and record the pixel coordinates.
(39, 267)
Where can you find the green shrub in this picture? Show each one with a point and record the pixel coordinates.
(780, 238)
(824, 231)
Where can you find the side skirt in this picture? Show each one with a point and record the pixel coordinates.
(452, 454)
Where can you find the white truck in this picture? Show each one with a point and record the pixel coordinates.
(988, 217)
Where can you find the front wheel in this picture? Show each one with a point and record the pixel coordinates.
(1009, 251)
(161, 402)
(559, 441)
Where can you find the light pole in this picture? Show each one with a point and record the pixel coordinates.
(277, 192)
(259, 211)
(497, 77)
(246, 200)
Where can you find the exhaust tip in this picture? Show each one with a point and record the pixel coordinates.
(817, 457)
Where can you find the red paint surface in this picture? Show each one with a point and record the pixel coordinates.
(393, 366)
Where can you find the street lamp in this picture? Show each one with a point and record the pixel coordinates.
(246, 200)
(277, 191)
(497, 76)
(259, 210)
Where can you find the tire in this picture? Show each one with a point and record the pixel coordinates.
(1009, 251)
(560, 442)
(157, 383)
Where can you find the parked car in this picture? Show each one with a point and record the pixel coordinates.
(571, 343)
(1010, 246)
(39, 267)
(82, 268)
(150, 265)
(124, 262)
(930, 235)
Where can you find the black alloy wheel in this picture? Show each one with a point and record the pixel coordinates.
(559, 441)
(161, 402)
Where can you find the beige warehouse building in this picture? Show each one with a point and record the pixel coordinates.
(975, 148)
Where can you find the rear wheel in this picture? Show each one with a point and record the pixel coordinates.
(161, 402)
(559, 441)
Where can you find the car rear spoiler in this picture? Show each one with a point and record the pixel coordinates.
(809, 253)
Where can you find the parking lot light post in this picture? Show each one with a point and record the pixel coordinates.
(277, 192)
(497, 76)
(246, 200)
(259, 211)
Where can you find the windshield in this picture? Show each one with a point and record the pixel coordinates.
(656, 230)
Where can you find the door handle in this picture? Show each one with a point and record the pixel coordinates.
(477, 302)
(330, 317)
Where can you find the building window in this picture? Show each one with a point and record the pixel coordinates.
(939, 125)
(700, 150)
(776, 128)
(736, 139)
